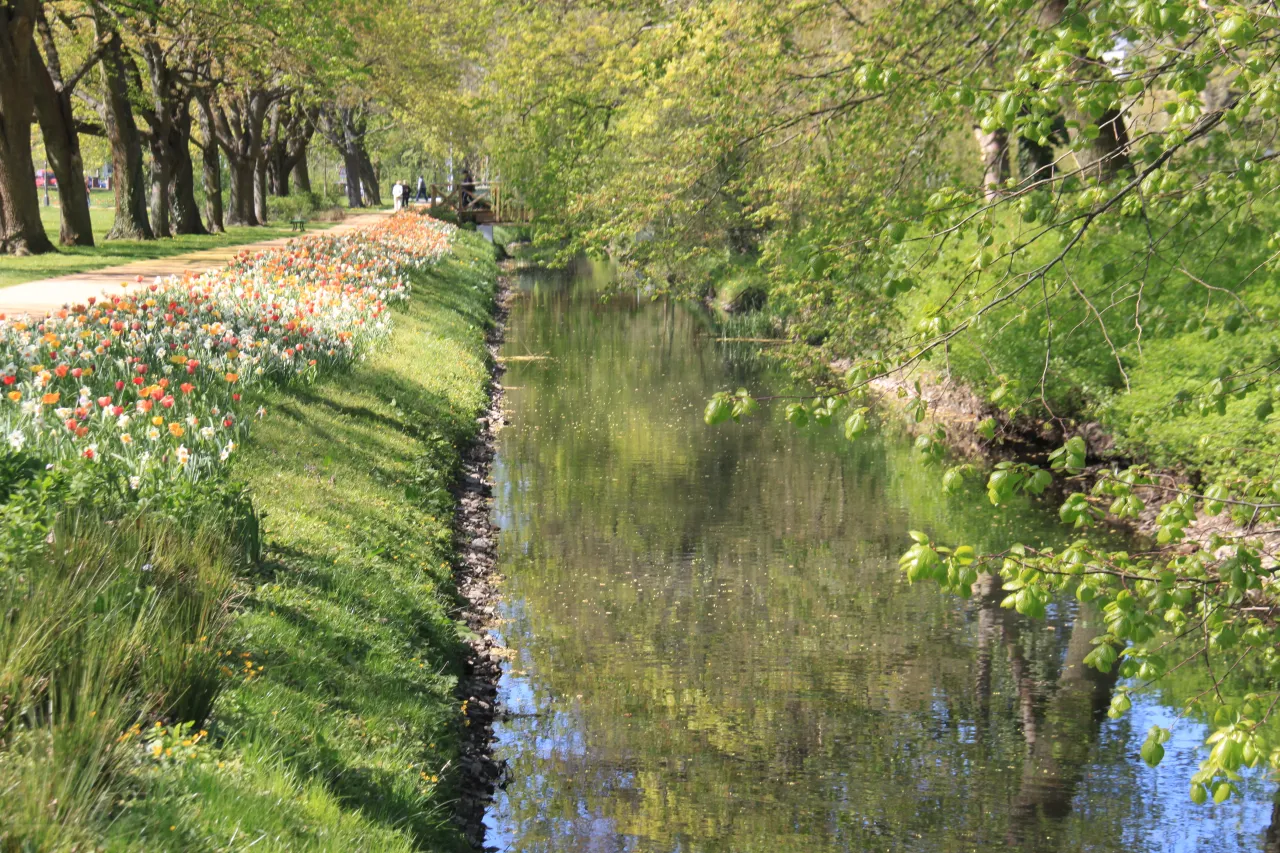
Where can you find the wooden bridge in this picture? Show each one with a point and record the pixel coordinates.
(484, 204)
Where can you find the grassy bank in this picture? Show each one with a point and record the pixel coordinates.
(1162, 330)
(309, 639)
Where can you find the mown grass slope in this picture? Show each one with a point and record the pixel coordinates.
(330, 661)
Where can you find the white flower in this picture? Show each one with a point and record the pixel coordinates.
(183, 454)
(122, 421)
(126, 439)
(86, 393)
(192, 421)
(134, 482)
(153, 433)
(262, 412)
(17, 439)
(206, 432)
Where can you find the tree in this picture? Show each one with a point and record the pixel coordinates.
(344, 128)
(21, 230)
(53, 89)
(211, 167)
(238, 114)
(182, 191)
(128, 173)
(289, 133)
(1140, 222)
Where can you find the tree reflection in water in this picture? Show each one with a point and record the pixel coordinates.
(719, 653)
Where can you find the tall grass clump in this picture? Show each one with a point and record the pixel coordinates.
(111, 628)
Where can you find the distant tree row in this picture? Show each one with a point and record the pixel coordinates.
(178, 88)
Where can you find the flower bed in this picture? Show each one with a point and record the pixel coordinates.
(153, 379)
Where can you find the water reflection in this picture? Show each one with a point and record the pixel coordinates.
(718, 652)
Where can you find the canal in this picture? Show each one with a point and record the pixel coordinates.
(715, 649)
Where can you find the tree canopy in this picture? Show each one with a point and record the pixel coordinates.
(1066, 206)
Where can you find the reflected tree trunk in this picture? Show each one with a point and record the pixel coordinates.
(1271, 838)
(1061, 747)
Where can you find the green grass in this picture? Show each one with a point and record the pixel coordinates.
(1188, 336)
(349, 617)
(68, 260)
(336, 653)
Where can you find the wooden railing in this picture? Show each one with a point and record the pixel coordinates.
(485, 203)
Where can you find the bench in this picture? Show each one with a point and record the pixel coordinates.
(298, 223)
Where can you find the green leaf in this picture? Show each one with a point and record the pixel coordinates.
(1152, 753)
(856, 424)
(718, 410)
(1215, 496)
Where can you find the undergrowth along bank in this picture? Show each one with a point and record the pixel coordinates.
(268, 661)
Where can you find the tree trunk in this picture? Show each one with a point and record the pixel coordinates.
(161, 176)
(370, 175)
(344, 129)
(351, 160)
(260, 190)
(278, 175)
(1107, 154)
(21, 231)
(993, 148)
(186, 212)
(212, 165)
(1036, 161)
(62, 146)
(127, 175)
(302, 174)
(236, 121)
(242, 210)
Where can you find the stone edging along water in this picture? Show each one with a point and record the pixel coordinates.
(477, 580)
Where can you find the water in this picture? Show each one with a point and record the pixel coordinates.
(718, 652)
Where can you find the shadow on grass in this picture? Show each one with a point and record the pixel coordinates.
(350, 614)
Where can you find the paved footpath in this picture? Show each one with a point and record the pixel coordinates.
(40, 298)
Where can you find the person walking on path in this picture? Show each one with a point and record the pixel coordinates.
(397, 195)
(466, 190)
(422, 188)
